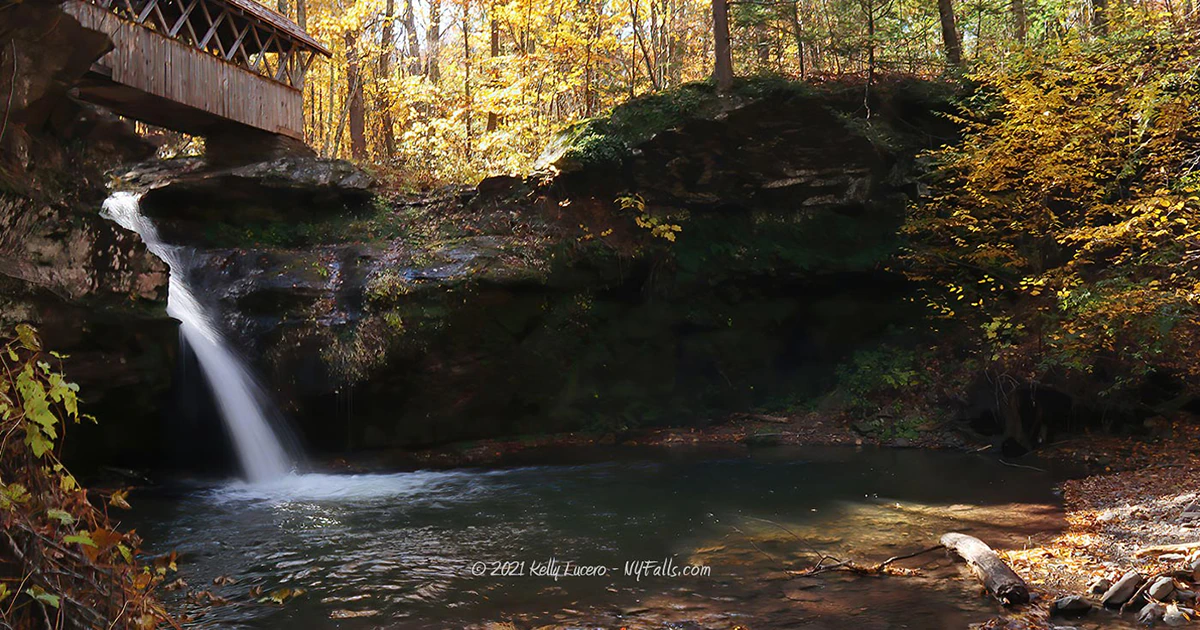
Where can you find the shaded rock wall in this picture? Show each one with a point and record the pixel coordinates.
(92, 289)
(541, 305)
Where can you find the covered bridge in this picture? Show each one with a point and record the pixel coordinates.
(199, 66)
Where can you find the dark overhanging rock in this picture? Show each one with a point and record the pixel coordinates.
(285, 189)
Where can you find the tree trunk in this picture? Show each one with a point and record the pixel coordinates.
(1000, 580)
(354, 97)
(589, 98)
(493, 118)
(282, 7)
(723, 65)
(870, 6)
(1020, 20)
(466, 37)
(414, 47)
(384, 102)
(302, 14)
(433, 41)
(950, 33)
(641, 42)
(1100, 16)
(798, 35)
(326, 149)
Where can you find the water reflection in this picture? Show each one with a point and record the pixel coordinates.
(400, 550)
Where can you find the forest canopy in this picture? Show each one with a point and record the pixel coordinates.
(446, 91)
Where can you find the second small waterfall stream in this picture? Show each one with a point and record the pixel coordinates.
(243, 405)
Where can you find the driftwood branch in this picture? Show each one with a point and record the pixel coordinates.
(1180, 548)
(999, 579)
(855, 567)
(835, 564)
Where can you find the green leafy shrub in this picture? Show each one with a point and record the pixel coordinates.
(62, 561)
(1060, 234)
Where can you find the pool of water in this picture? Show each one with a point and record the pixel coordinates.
(682, 539)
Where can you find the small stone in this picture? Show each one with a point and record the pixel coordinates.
(1123, 590)
(1151, 613)
(1107, 516)
(1171, 557)
(1099, 586)
(1175, 616)
(1185, 597)
(1070, 605)
(1161, 589)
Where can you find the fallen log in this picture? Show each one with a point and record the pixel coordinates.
(1000, 580)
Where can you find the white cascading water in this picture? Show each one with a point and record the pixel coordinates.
(239, 397)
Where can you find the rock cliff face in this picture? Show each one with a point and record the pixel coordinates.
(92, 289)
(547, 304)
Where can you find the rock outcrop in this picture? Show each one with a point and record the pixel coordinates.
(91, 288)
(546, 304)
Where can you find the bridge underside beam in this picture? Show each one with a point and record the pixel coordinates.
(149, 108)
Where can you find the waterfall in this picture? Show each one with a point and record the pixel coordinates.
(240, 399)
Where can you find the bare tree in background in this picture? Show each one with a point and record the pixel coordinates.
(354, 99)
(433, 42)
(383, 100)
(723, 66)
(493, 118)
(1020, 17)
(950, 41)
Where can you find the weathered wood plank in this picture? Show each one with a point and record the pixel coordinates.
(174, 31)
(156, 64)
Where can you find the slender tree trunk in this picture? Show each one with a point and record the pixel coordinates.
(978, 30)
(950, 41)
(1020, 20)
(1100, 16)
(384, 101)
(637, 36)
(410, 31)
(466, 38)
(302, 14)
(354, 96)
(723, 65)
(870, 6)
(493, 121)
(327, 128)
(282, 7)
(433, 42)
(673, 62)
(798, 35)
(762, 45)
(589, 96)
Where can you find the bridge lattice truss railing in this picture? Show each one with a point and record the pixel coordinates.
(230, 31)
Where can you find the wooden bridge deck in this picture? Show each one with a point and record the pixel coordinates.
(198, 66)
